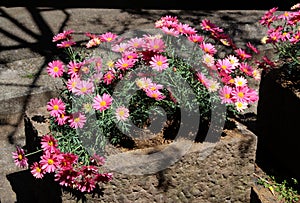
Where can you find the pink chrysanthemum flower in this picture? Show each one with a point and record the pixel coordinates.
(135, 43)
(73, 68)
(108, 37)
(225, 94)
(212, 85)
(108, 77)
(208, 60)
(71, 83)
(224, 65)
(159, 62)
(196, 38)
(49, 162)
(62, 119)
(233, 60)
(208, 48)
(83, 87)
(93, 42)
(252, 47)
(55, 68)
(170, 31)
(66, 176)
(86, 184)
(97, 160)
(156, 94)
(247, 69)
(36, 170)
(19, 158)
(154, 86)
(77, 120)
(130, 55)
(242, 54)
(207, 25)
(49, 143)
(122, 113)
(56, 107)
(185, 29)
(64, 35)
(68, 159)
(240, 94)
(124, 64)
(155, 45)
(66, 44)
(122, 47)
(104, 177)
(202, 78)
(103, 102)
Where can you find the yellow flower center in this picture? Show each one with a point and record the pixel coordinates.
(38, 169)
(103, 103)
(84, 89)
(76, 120)
(159, 63)
(125, 65)
(55, 69)
(55, 107)
(227, 96)
(50, 161)
(109, 39)
(50, 143)
(20, 157)
(224, 67)
(121, 113)
(155, 46)
(241, 94)
(239, 104)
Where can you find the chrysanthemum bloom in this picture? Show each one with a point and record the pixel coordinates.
(49, 162)
(170, 31)
(72, 82)
(130, 55)
(104, 177)
(56, 107)
(208, 48)
(196, 38)
(86, 184)
(224, 65)
(66, 44)
(185, 29)
(135, 43)
(62, 36)
(62, 119)
(225, 94)
(252, 47)
(240, 81)
(247, 69)
(77, 120)
(20, 158)
(55, 68)
(121, 48)
(252, 96)
(108, 77)
(159, 62)
(83, 87)
(202, 78)
(233, 60)
(155, 44)
(156, 94)
(103, 102)
(66, 176)
(240, 94)
(49, 143)
(124, 64)
(143, 83)
(241, 106)
(242, 54)
(108, 37)
(154, 86)
(212, 85)
(73, 68)
(97, 160)
(122, 113)
(36, 170)
(68, 159)
(209, 26)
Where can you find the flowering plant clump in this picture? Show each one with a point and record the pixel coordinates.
(96, 105)
(283, 35)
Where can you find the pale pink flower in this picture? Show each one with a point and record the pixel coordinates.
(83, 87)
(55, 68)
(122, 113)
(93, 42)
(103, 102)
(124, 64)
(208, 60)
(56, 107)
(240, 81)
(224, 65)
(156, 94)
(170, 31)
(108, 37)
(159, 62)
(135, 43)
(208, 48)
(241, 106)
(77, 120)
(72, 82)
(143, 83)
(122, 47)
(66, 44)
(196, 38)
(233, 60)
(155, 45)
(62, 119)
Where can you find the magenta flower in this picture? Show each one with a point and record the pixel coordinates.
(49, 162)
(62, 119)
(108, 37)
(225, 65)
(49, 143)
(125, 64)
(66, 176)
(55, 68)
(62, 36)
(36, 170)
(156, 94)
(77, 120)
(159, 62)
(83, 87)
(66, 44)
(73, 68)
(103, 102)
(108, 77)
(225, 94)
(19, 158)
(155, 44)
(208, 48)
(56, 107)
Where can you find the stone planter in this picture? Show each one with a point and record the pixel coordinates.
(278, 122)
(208, 172)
